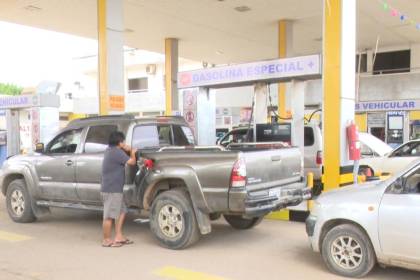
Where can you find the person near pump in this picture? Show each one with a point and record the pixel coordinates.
(113, 179)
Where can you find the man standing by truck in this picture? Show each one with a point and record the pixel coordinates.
(113, 179)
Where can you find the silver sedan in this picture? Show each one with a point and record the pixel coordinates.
(358, 226)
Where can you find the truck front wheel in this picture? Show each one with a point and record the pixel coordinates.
(18, 202)
(172, 220)
(239, 222)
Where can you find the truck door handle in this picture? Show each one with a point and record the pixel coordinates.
(275, 158)
(69, 163)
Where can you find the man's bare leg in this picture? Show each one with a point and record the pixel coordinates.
(107, 230)
(118, 228)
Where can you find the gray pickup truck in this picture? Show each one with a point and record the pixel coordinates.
(182, 186)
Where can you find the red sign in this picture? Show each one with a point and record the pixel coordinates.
(185, 79)
(189, 116)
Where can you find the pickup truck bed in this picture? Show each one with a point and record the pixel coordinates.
(273, 178)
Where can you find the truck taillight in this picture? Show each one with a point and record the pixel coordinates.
(238, 175)
(319, 157)
(148, 163)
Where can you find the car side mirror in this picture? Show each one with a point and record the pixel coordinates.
(39, 148)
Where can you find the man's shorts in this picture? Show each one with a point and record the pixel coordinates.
(114, 205)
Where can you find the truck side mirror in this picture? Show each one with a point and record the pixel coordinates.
(39, 148)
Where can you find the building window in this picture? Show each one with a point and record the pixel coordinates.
(392, 62)
(138, 84)
(363, 63)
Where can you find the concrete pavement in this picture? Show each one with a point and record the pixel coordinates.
(66, 245)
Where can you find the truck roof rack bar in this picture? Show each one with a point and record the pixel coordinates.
(121, 116)
(179, 117)
(260, 144)
(192, 148)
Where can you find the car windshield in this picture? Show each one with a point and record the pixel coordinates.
(375, 144)
(410, 149)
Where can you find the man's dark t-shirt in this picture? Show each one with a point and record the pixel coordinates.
(113, 170)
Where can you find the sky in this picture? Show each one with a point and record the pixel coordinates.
(29, 55)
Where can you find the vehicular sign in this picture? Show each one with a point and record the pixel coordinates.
(26, 101)
(303, 67)
(392, 105)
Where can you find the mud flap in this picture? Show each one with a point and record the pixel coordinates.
(203, 221)
(39, 211)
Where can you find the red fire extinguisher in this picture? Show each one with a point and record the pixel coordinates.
(353, 142)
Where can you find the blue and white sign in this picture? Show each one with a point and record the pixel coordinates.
(27, 101)
(21, 101)
(303, 67)
(392, 105)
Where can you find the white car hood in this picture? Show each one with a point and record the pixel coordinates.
(360, 193)
(375, 144)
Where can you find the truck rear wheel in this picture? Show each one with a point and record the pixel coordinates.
(172, 220)
(239, 222)
(18, 202)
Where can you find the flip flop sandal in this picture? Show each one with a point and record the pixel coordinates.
(125, 242)
(112, 245)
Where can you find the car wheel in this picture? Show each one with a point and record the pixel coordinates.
(18, 202)
(239, 222)
(172, 220)
(347, 251)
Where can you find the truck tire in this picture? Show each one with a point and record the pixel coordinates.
(347, 251)
(173, 221)
(18, 202)
(239, 222)
(214, 216)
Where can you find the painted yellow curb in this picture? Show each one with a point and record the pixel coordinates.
(13, 237)
(282, 215)
(173, 272)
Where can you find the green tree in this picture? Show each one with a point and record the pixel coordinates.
(10, 89)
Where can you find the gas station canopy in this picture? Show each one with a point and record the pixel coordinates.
(216, 31)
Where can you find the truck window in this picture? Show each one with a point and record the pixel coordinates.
(309, 136)
(65, 143)
(165, 135)
(182, 136)
(151, 136)
(145, 136)
(97, 138)
(189, 134)
(237, 136)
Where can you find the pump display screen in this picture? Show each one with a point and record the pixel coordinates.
(274, 132)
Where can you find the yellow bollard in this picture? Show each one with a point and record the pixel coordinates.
(310, 180)
(310, 184)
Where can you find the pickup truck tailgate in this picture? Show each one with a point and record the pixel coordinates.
(274, 181)
(274, 167)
